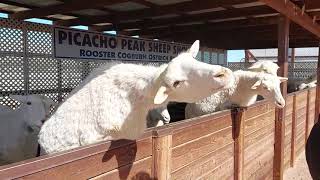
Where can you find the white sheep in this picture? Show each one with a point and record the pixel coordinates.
(264, 66)
(112, 103)
(309, 83)
(158, 116)
(246, 86)
(19, 128)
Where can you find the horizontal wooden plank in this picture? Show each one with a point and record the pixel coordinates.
(288, 127)
(299, 150)
(259, 134)
(204, 164)
(287, 154)
(191, 151)
(300, 119)
(265, 171)
(224, 171)
(287, 139)
(300, 129)
(313, 93)
(289, 109)
(255, 150)
(258, 165)
(98, 163)
(301, 95)
(138, 170)
(198, 130)
(289, 100)
(288, 119)
(258, 122)
(301, 111)
(301, 104)
(258, 109)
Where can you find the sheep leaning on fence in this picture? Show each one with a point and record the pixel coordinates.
(246, 86)
(19, 128)
(160, 116)
(112, 103)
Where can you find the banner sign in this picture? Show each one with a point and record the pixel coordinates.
(69, 43)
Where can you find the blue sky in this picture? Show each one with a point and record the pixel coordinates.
(233, 55)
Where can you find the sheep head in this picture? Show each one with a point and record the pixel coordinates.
(187, 80)
(269, 87)
(35, 109)
(264, 66)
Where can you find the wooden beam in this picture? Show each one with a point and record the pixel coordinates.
(226, 14)
(153, 11)
(295, 14)
(72, 5)
(227, 25)
(317, 108)
(283, 46)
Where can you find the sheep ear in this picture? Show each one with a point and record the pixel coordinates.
(283, 79)
(161, 95)
(194, 49)
(256, 84)
(255, 66)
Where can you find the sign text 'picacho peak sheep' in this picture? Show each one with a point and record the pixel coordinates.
(70, 43)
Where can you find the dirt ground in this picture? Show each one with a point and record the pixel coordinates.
(300, 170)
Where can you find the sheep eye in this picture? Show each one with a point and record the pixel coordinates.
(28, 103)
(219, 75)
(176, 83)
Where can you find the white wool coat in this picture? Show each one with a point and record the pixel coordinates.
(119, 99)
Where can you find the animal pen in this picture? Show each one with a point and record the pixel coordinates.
(258, 142)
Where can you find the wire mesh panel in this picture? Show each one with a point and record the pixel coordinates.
(71, 73)
(39, 42)
(43, 73)
(11, 40)
(238, 65)
(12, 74)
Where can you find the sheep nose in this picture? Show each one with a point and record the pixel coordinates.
(281, 103)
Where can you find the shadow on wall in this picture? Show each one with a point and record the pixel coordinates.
(123, 155)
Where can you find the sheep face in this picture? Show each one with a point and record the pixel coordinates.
(269, 87)
(187, 80)
(35, 107)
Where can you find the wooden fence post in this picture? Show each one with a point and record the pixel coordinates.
(161, 154)
(293, 132)
(238, 136)
(307, 116)
(317, 103)
(283, 46)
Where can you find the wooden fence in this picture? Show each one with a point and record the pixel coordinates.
(237, 144)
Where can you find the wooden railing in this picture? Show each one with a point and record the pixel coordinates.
(231, 144)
